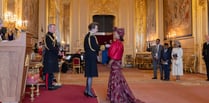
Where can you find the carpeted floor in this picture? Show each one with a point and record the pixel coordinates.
(65, 94)
(192, 88)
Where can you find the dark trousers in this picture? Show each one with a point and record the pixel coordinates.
(207, 68)
(156, 65)
(166, 71)
(49, 79)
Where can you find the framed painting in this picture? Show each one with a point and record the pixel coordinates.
(177, 18)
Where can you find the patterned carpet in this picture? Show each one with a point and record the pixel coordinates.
(192, 88)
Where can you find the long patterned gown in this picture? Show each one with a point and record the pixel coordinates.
(118, 90)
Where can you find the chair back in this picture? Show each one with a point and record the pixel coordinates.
(129, 60)
(190, 63)
(76, 61)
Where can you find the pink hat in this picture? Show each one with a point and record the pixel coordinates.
(120, 31)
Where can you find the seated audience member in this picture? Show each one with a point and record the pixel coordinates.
(3, 30)
(11, 35)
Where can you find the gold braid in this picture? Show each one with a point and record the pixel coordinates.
(90, 42)
(53, 40)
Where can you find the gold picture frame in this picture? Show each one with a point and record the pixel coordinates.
(177, 18)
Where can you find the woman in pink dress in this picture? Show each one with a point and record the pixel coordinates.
(118, 90)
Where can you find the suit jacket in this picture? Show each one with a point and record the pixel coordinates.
(156, 52)
(205, 52)
(166, 55)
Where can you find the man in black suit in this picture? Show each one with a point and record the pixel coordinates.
(166, 61)
(91, 48)
(205, 53)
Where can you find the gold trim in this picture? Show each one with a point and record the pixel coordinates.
(90, 42)
(53, 40)
(45, 43)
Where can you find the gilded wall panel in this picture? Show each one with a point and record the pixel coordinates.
(140, 25)
(151, 20)
(104, 6)
(30, 13)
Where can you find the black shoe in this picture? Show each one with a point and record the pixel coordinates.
(86, 94)
(154, 78)
(90, 95)
(54, 80)
(207, 79)
(52, 88)
(57, 86)
(161, 78)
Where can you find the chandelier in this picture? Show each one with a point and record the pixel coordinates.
(12, 22)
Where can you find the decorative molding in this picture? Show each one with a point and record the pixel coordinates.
(104, 6)
(202, 2)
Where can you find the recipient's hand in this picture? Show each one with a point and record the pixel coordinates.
(110, 63)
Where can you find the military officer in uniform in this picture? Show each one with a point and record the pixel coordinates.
(91, 48)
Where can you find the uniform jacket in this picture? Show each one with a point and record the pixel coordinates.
(51, 54)
(91, 48)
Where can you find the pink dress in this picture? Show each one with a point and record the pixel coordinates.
(118, 90)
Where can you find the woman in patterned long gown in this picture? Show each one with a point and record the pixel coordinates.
(118, 90)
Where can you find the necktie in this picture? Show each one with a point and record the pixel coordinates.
(165, 50)
(157, 48)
